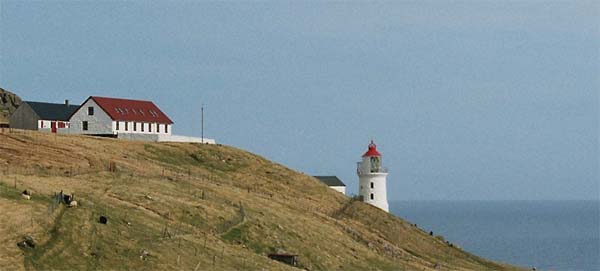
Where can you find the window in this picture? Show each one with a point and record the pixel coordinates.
(135, 126)
(85, 125)
(126, 126)
(91, 111)
(143, 126)
(372, 185)
(372, 196)
(150, 127)
(166, 128)
(375, 164)
(117, 126)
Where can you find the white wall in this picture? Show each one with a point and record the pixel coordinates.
(341, 189)
(98, 124)
(43, 124)
(379, 189)
(157, 128)
(164, 138)
(46, 126)
(188, 139)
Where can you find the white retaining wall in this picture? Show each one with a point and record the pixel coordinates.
(188, 139)
(165, 138)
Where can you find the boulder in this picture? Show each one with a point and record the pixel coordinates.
(27, 242)
(9, 102)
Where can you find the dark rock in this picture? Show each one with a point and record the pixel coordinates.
(9, 102)
(27, 242)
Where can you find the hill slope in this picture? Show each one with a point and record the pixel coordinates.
(8, 104)
(192, 207)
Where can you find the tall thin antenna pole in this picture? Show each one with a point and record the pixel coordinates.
(202, 130)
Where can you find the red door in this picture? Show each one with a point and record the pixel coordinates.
(53, 126)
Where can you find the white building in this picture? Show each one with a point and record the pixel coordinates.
(372, 178)
(333, 182)
(119, 118)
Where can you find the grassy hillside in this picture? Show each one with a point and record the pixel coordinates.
(192, 207)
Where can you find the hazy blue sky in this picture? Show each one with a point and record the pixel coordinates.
(467, 100)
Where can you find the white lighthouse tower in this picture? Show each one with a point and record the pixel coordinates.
(372, 178)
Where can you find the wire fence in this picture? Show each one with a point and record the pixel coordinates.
(10, 175)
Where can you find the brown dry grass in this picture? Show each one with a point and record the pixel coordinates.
(206, 206)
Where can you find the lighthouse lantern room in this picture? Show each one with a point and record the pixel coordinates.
(372, 178)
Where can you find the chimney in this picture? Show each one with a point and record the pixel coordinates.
(67, 103)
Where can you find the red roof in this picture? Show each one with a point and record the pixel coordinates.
(372, 150)
(131, 110)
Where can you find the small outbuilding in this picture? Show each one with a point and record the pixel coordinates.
(333, 182)
(46, 117)
(288, 259)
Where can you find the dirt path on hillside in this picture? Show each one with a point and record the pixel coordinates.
(140, 207)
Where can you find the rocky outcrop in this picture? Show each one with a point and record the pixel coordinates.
(8, 104)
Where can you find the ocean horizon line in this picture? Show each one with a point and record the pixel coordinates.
(497, 200)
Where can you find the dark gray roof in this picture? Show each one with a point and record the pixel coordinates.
(48, 111)
(330, 180)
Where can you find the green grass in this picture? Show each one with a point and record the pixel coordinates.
(10, 192)
(92, 245)
(240, 235)
(237, 234)
(193, 155)
(378, 264)
(35, 257)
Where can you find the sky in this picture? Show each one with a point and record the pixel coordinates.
(467, 100)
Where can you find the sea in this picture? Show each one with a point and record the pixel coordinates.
(547, 235)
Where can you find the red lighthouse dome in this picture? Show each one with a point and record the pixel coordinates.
(372, 150)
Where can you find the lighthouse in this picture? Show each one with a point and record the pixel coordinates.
(372, 178)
